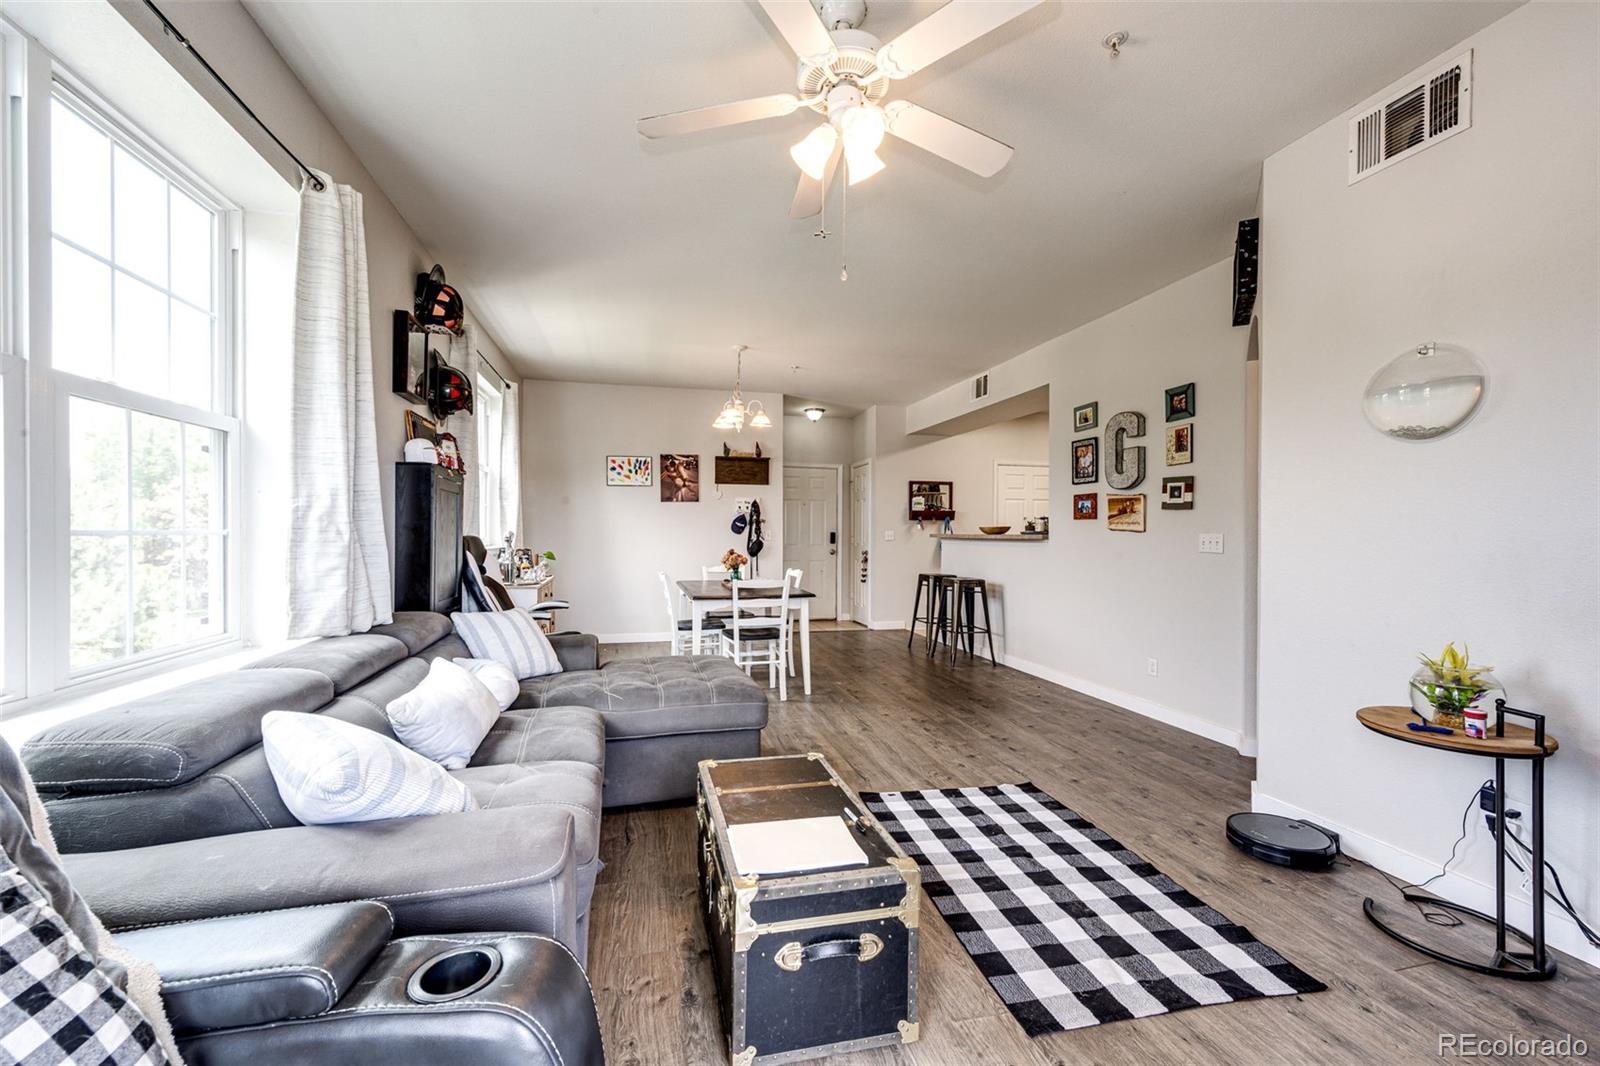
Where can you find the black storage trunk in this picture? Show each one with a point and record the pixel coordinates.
(808, 963)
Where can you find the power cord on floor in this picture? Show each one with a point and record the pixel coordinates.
(1559, 896)
(1435, 916)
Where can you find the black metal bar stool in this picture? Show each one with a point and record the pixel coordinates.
(941, 611)
(964, 595)
(924, 582)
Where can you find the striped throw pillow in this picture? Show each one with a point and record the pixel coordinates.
(509, 637)
(328, 771)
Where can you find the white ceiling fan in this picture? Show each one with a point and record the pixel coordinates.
(844, 75)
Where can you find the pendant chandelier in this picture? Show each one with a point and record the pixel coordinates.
(735, 412)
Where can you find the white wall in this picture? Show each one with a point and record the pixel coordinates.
(967, 461)
(1089, 607)
(1373, 549)
(610, 542)
(223, 31)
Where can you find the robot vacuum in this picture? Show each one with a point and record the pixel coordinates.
(1283, 841)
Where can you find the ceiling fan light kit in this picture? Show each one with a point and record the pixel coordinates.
(843, 74)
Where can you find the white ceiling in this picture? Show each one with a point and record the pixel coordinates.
(504, 132)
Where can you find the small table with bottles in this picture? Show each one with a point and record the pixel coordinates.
(1517, 742)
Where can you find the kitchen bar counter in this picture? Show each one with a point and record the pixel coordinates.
(996, 536)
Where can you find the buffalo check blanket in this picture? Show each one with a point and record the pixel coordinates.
(57, 1008)
(1071, 928)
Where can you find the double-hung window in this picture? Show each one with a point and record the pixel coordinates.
(488, 408)
(141, 379)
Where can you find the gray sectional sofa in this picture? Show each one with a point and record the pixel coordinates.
(167, 811)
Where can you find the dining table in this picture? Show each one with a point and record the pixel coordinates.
(707, 596)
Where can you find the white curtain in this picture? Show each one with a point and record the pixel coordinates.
(338, 557)
(510, 463)
(464, 358)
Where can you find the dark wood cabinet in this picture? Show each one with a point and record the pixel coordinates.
(427, 538)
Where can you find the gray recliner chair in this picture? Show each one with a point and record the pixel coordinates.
(328, 984)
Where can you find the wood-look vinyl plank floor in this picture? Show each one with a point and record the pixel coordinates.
(889, 718)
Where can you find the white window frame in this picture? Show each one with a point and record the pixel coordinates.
(489, 458)
(33, 80)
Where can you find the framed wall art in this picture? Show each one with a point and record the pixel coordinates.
(1125, 513)
(1085, 416)
(1177, 494)
(1086, 461)
(1180, 444)
(680, 478)
(629, 470)
(1180, 402)
(1085, 505)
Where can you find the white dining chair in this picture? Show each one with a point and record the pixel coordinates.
(682, 629)
(792, 576)
(752, 639)
(715, 573)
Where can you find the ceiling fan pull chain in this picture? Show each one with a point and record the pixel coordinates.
(844, 223)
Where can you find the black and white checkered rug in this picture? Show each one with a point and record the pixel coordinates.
(1071, 928)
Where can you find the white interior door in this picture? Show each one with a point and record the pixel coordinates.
(811, 532)
(856, 565)
(1021, 490)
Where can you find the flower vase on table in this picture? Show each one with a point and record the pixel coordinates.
(1445, 689)
(734, 560)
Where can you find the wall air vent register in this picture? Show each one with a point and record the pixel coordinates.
(1415, 113)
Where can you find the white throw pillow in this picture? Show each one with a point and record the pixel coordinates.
(496, 677)
(446, 716)
(328, 771)
(509, 637)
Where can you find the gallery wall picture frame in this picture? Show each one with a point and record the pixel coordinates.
(1180, 444)
(1086, 461)
(629, 471)
(1125, 512)
(1086, 416)
(410, 359)
(1177, 494)
(420, 428)
(679, 478)
(1085, 506)
(1180, 402)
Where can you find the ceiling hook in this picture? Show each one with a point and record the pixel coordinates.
(1114, 42)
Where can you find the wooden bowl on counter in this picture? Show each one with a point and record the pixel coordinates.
(994, 531)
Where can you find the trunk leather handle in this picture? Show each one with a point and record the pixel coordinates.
(794, 954)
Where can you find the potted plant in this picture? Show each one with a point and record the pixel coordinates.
(734, 560)
(1443, 689)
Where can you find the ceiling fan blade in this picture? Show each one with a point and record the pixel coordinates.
(956, 24)
(809, 194)
(965, 147)
(800, 25)
(707, 118)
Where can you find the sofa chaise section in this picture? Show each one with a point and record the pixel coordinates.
(662, 716)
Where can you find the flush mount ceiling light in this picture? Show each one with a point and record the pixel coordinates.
(735, 413)
(844, 73)
(815, 413)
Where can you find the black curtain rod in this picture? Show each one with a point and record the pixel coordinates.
(173, 32)
(494, 368)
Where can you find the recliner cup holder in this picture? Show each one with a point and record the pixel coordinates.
(454, 974)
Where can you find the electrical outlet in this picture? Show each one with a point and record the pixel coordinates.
(1211, 543)
(1152, 667)
(888, 534)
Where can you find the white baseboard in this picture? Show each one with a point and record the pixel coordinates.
(886, 625)
(1127, 701)
(1560, 931)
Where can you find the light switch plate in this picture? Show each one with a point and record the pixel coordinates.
(1211, 543)
(888, 534)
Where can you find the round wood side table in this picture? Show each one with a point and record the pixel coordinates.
(1516, 742)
